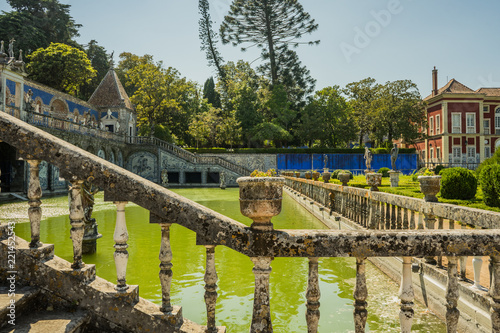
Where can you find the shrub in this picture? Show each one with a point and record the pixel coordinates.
(384, 171)
(335, 173)
(458, 183)
(438, 169)
(349, 172)
(490, 184)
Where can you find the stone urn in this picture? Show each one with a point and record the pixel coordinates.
(344, 177)
(297, 174)
(374, 180)
(326, 177)
(430, 186)
(308, 175)
(260, 199)
(315, 176)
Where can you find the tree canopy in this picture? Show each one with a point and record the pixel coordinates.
(61, 67)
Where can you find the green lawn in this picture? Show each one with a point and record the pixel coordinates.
(409, 188)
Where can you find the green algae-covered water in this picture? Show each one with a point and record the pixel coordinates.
(288, 283)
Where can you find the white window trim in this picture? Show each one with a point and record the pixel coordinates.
(486, 108)
(486, 128)
(497, 119)
(470, 129)
(459, 122)
(438, 124)
(438, 153)
(431, 125)
(487, 151)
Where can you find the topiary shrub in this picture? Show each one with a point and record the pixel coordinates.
(349, 172)
(438, 169)
(384, 171)
(458, 183)
(490, 184)
(335, 173)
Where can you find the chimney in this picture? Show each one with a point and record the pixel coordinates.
(434, 81)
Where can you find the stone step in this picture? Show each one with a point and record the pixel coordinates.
(49, 322)
(15, 300)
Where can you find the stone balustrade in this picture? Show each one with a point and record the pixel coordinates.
(391, 221)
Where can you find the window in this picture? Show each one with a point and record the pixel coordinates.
(487, 152)
(497, 121)
(471, 154)
(431, 154)
(431, 126)
(486, 108)
(471, 122)
(456, 123)
(438, 153)
(457, 154)
(438, 124)
(486, 125)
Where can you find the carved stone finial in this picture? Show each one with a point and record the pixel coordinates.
(111, 61)
(20, 55)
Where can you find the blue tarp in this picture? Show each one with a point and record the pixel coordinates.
(406, 163)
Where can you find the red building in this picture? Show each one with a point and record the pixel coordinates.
(463, 125)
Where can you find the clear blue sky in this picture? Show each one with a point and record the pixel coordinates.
(461, 38)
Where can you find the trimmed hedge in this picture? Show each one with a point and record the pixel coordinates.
(458, 183)
(438, 168)
(490, 184)
(295, 151)
(384, 171)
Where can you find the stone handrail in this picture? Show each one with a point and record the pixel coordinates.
(212, 229)
(190, 157)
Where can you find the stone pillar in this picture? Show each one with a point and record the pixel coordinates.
(406, 295)
(452, 295)
(495, 294)
(313, 294)
(165, 267)
(261, 318)
(430, 221)
(34, 195)
(120, 237)
(360, 296)
(204, 176)
(394, 176)
(210, 288)
(77, 225)
(477, 263)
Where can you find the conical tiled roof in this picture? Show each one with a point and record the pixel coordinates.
(110, 93)
(453, 87)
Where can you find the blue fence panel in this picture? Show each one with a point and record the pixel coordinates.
(406, 163)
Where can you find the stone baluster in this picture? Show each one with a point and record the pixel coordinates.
(412, 220)
(313, 294)
(463, 261)
(451, 224)
(406, 222)
(495, 294)
(440, 226)
(77, 225)
(452, 295)
(366, 211)
(166, 268)
(120, 237)
(34, 195)
(373, 215)
(430, 221)
(420, 225)
(477, 264)
(210, 288)
(387, 216)
(406, 295)
(360, 296)
(393, 217)
(261, 318)
(399, 218)
(382, 215)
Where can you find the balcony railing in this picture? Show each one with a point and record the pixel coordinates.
(382, 213)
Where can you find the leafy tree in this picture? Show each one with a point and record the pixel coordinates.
(35, 24)
(100, 62)
(271, 25)
(129, 61)
(362, 94)
(398, 112)
(209, 92)
(328, 118)
(209, 39)
(271, 132)
(229, 130)
(61, 67)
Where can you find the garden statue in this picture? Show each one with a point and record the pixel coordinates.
(222, 181)
(368, 158)
(164, 178)
(325, 160)
(11, 48)
(394, 156)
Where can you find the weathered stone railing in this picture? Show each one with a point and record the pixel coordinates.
(190, 157)
(261, 245)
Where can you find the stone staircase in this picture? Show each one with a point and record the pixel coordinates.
(29, 315)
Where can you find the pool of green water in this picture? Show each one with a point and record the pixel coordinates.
(288, 282)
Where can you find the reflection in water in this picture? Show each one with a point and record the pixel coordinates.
(236, 281)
